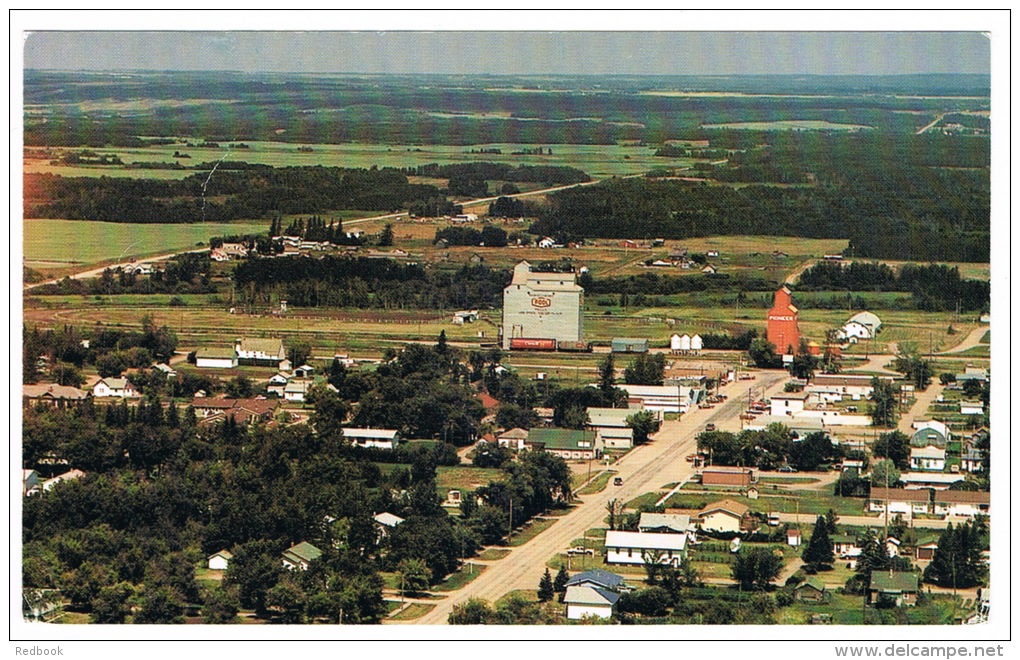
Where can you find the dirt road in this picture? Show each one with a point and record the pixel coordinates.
(970, 341)
(96, 272)
(644, 469)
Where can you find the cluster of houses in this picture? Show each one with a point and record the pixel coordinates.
(908, 502)
(32, 483)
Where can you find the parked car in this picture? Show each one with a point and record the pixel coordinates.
(618, 481)
(787, 468)
(581, 550)
(709, 427)
(773, 520)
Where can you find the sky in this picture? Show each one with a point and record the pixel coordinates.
(518, 52)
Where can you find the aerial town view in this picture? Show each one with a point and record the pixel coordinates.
(340, 347)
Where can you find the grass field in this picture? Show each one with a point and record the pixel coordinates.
(597, 160)
(597, 485)
(536, 527)
(413, 611)
(465, 479)
(492, 554)
(460, 577)
(48, 240)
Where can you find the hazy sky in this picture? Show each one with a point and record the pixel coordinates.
(696, 53)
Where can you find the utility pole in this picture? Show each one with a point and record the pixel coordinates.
(510, 534)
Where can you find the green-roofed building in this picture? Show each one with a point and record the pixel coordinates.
(900, 586)
(928, 437)
(216, 357)
(300, 556)
(811, 590)
(567, 443)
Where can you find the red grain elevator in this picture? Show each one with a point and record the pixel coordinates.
(782, 329)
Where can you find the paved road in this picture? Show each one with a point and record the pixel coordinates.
(644, 469)
(920, 408)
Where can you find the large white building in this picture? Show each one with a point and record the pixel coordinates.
(864, 325)
(542, 306)
(637, 548)
(662, 398)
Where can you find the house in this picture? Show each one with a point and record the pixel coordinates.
(638, 548)
(901, 587)
(277, 384)
(546, 242)
(725, 516)
(386, 522)
(811, 590)
(616, 438)
(661, 263)
(304, 371)
(566, 443)
(787, 404)
(971, 408)
(925, 550)
(899, 501)
(165, 369)
(58, 396)
(260, 351)
(712, 254)
(597, 578)
(892, 546)
(967, 503)
(515, 439)
(934, 480)
(297, 389)
(863, 325)
(627, 243)
(719, 475)
(583, 601)
(928, 458)
(115, 387)
(844, 546)
(219, 561)
(29, 482)
(476, 259)
(793, 537)
(215, 358)
(799, 425)
(709, 270)
(70, 475)
(378, 438)
(664, 523)
(972, 373)
(300, 556)
(852, 386)
(972, 460)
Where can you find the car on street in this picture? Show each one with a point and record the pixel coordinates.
(709, 427)
(787, 468)
(618, 481)
(581, 550)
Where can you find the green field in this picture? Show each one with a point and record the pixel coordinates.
(67, 242)
(597, 160)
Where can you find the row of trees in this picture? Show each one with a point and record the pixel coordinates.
(769, 449)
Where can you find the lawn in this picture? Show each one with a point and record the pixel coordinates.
(465, 479)
(469, 571)
(598, 484)
(530, 531)
(493, 554)
(413, 611)
(46, 240)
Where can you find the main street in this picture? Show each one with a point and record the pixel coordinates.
(644, 469)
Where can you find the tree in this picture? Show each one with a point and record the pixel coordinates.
(161, 605)
(916, 369)
(221, 605)
(111, 605)
(386, 236)
(413, 575)
(895, 446)
(763, 354)
(804, 364)
(441, 345)
(884, 474)
(239, 387)
(755, 568)
(819, 547)
(644, 424)
(884, 399)
(645, 369)
(298, 351)
(561, 579)
(254, 570)
(607, 374)
(286, 602)
(957, 562)
(474, 612)
(545, 587)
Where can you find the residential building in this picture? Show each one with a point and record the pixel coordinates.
(971, 408)
(115, 387)
(934, 480)
(726, 516)
(972, 460)
(971, 372)
(542, 306)
(787, 404)
(378, 438)
(925, 550)
(844, 546)
(863, 325)
(566, 443)
(385, 523)
(70, 475)
(811, 590)
(928, 458)
(899, 501)
(799, 425)
(901, 587)
(58, 396)
(584, 601)
(597, 578)
(966, 503)
(297, 389)
(219, 561)
(638, 548)
(300, 556)
(664, 523)
(616, 438)
(515, 439)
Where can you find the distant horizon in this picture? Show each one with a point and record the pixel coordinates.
(521, 53)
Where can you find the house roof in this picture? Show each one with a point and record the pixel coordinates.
(812, 582)
(597, 576)
(928, 437)
(514, 434)
(675, 521)
(226, 554)
(899, 495)
(930, 478)
(562, 438)
(489, 402)
(213, 402)
(216, 353)
(794, 423)
(615, 433)
(52, 390)
(894, 582)
(617, 539)
(371, 434)
(115, 383)
(388, 519)
(842, 538)
(927, 452)
(963, 497)
(728, 469)
(727, 505)
(582, 595)
(304, 552)
(612, 417)
(298, 386)
(268, 345)
(866, 318)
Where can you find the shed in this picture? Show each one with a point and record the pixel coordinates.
(623, 345)
(219, 561)
(811, 590)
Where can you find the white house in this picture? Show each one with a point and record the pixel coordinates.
(115, 387)
(278, 383)
(220, 561)
(378, 438)
(635, 547)
(515, 439)
(584, 601)
(725, 516)
(216, 358)
(70, 475)
(788, 403)
(300, 556)
(900, 501)
(928, 458)
(934, 480)
(968, 503)
(863, 325)
(296, 389)
(386, 522)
